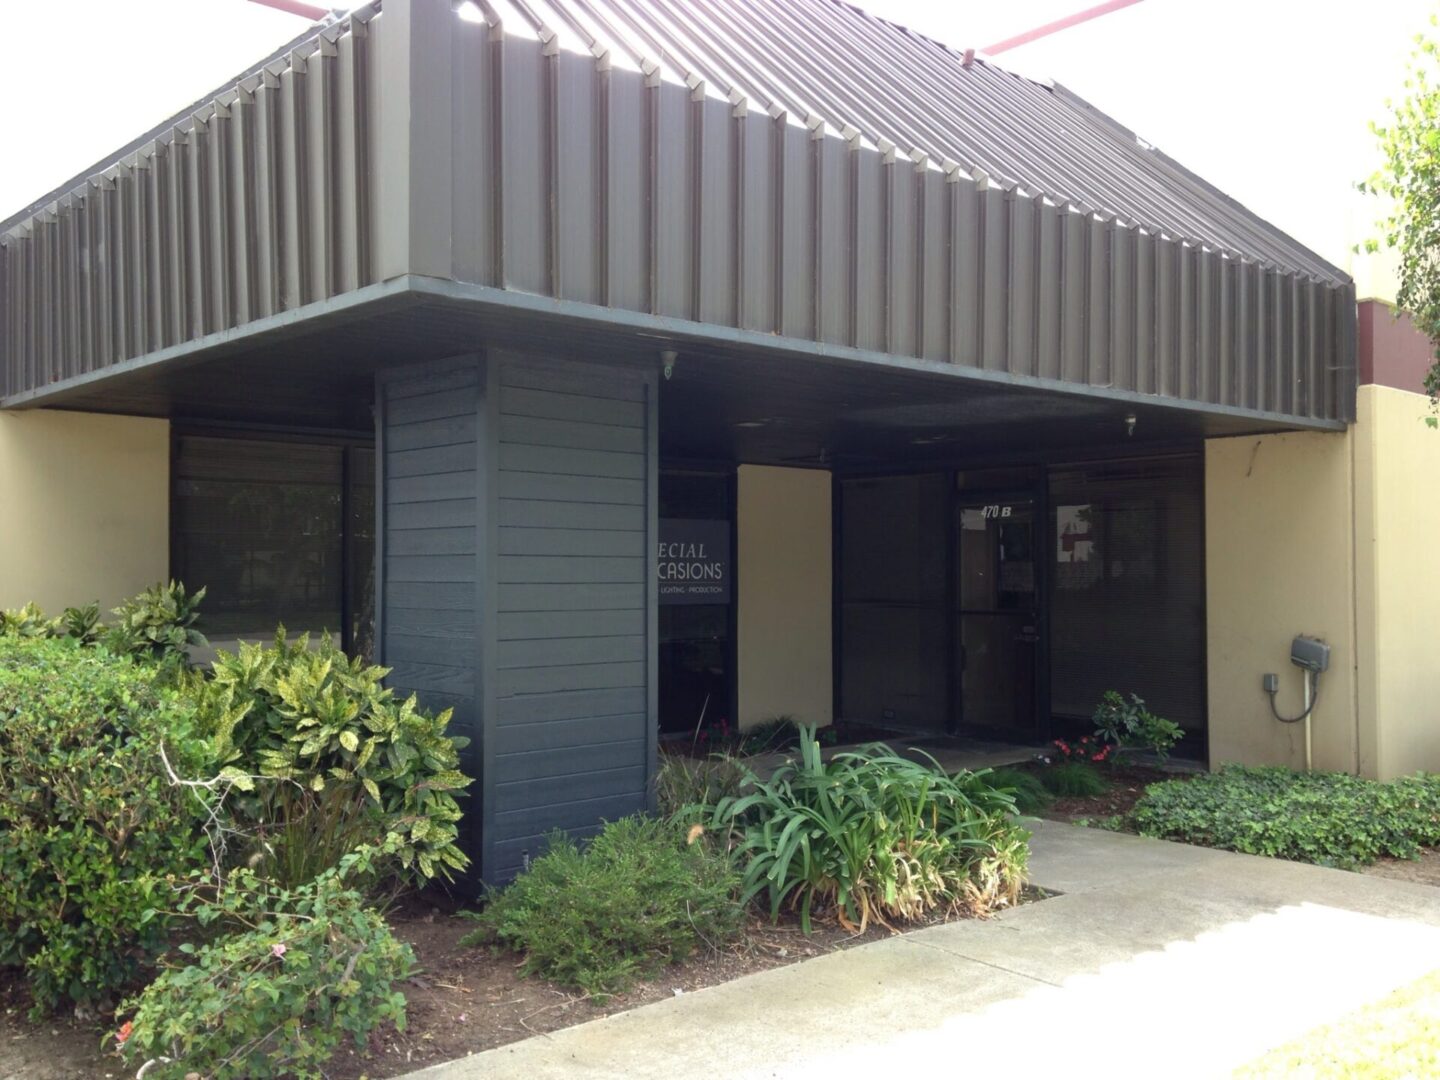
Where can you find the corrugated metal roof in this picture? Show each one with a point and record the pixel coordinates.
(649, 158)
(828, 64)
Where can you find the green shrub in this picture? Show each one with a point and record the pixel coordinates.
(1333, 819)
(683, 783)
(89, 821)
(1129, 726)
(878, 836)
(633, 899)
(29, 622)
(83, 623)
(1073, 779)
(275, 997)
(159, 623)
(1023, 786)
(324, 758)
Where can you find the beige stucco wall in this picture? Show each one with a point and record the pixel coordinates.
(784, 628)
(1280, 561)
(1398, 596)
(84, 507)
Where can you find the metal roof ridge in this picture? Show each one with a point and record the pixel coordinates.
(1194, 180)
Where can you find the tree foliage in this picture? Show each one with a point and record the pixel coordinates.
(1410, 182)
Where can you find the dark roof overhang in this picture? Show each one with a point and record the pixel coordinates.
(402, 149)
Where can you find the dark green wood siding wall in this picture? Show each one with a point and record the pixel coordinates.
(430, 521)
(573, 670)
(518, 519)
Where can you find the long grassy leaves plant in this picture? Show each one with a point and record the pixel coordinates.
(874, 837)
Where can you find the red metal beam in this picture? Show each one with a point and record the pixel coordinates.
(296, 7)
(1055, 27)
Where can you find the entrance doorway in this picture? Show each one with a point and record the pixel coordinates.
(1004, 602)
(997, 617)
(940, 613)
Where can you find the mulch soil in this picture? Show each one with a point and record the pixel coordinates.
(1422, 871)
(1127, 784)
(464, 999)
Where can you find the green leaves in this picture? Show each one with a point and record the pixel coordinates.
(874, 835)
(350, 760)
(635, 898)
(1333, 819)
(278, 999)
(159, 623)
(1409, 184)
(1128, 725)
(90, 825)
(29, 622)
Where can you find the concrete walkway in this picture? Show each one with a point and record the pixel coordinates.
(1158, 960)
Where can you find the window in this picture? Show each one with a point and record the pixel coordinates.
(696, 664)
(1127, 609)
(279, 532)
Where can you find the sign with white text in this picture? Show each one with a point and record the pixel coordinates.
(693, 561)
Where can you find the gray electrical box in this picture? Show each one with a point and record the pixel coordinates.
(1310, 653)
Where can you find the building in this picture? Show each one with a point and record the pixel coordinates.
(603, 368)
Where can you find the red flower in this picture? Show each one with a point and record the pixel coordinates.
(123, 1034)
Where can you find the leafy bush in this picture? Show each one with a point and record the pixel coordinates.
(1023, 786)
(29, 622)
(1333, 819)
(876, 835)
(1073, 779)
(325, 758)
(1128, 725)
(635, 898)
(83, 623)
(158, 623)
(682, 783)
(277, 996)
(89, 821)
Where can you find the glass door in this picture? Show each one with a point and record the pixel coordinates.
(997, 613)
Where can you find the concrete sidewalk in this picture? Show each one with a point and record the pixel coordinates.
(1159, 959)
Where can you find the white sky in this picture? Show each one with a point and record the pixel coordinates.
(1267, 99)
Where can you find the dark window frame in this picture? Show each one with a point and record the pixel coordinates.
(346, 441)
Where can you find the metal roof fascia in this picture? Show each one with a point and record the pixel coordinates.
(402, 291)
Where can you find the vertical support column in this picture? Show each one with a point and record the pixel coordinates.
(516, 585)
(430, 550)
(785, 632)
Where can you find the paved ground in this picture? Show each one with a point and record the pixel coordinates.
(1159, 960)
